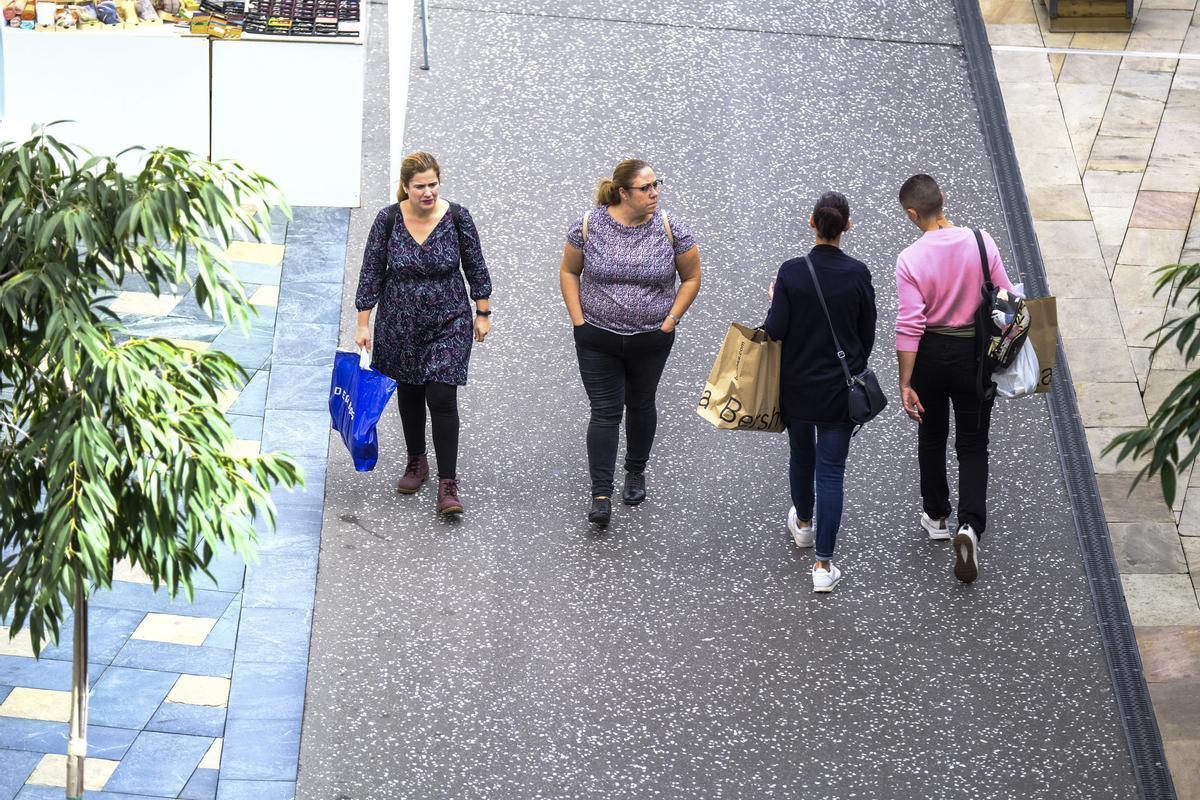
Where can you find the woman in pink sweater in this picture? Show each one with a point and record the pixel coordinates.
(939, 281)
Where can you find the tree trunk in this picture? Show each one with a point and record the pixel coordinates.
(77, 743)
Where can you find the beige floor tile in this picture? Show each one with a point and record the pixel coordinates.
(144, 303)
(1191, 553)
(191, 344)
(199, 690)
(43, 704)
(1131, 116)
(1007, 12)
(1183, 759)
(1014, 34)
(174, 628)
(1049, 167)
(255, 253)
(52, 771)
(1141, 357)
(244, 448)
(1151, 247)
(20, 645)
(1169, 358)
(1089, 318)
(1145, 83)
(226, 399)
(1187, 5)
(1120, 154)
(1107, 463)
(1073, 277)
(1083, 135)
(1182, 107)
(1106, 188)
(1172, 210)
(1057, 202)
(1141, 324)
(1037, 133)
(1169, 652)
(1111, 222)
(130, 573)
(1172, 172)
(1112, 353)
(1100, 70)
(1068, 240)
(1189, 521)
(1147, 548)
(1177, 708)
(1160, 384)
(1144, 503)
(1031, 98)
(1161, 599)
(1081, 100)
(1133, 285)
(1022, 67)
(1099, 41)
(1160, 23)
(212, 759)
(1056, 63)
(1117, 405)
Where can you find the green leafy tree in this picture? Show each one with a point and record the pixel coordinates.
(1171, 437)
(112, 447)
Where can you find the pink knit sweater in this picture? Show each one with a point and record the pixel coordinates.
(938, 280)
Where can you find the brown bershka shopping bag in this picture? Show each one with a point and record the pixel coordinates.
(1043, 334)
(742, 390)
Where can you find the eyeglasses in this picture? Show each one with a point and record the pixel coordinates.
(658, 184)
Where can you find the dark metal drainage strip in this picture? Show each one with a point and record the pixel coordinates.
(1108, 597)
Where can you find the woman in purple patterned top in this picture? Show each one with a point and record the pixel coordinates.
(411, 271)
(618, 278)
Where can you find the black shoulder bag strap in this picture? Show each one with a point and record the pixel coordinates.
(390, 225)
(841, 354)
(982, 315)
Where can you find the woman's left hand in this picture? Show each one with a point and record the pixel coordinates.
(483, 326)
(668, 325)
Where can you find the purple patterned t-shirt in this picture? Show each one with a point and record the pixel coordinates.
(628, 280)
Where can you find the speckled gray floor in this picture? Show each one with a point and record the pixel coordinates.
(682, 654)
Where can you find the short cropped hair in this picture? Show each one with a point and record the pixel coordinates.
(921, 193)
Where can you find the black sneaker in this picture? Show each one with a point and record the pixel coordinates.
(635, 488)
(601, 511)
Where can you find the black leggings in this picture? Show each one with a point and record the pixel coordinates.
(442, 399)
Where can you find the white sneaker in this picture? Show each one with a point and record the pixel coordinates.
(937, 529)
(966, 568)
(802, 535)
(825, 579)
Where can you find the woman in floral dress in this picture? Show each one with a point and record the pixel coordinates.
(416, 256)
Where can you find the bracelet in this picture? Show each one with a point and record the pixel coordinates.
(677, 319)
(487, 313)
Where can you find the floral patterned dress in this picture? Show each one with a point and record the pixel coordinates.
(423, 328)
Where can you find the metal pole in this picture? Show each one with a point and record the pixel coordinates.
(77, 742)
(425, 33)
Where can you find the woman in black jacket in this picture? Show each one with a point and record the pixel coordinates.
(812, 385)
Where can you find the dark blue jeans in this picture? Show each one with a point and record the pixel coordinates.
(817, 469)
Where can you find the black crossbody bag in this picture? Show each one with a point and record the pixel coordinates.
(864, 396)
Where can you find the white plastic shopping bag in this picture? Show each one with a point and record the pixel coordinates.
(1021, 376)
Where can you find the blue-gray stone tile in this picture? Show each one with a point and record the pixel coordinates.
(223, 636)
(250, 350)
(42, 673)
(128, 698)
(260, 750)
(143, 597)
(281, 580)
(245, 426)
(310, 302)
(268, 691)
(108, 630)
(250, 273)
(188, 719)
(253, 399)
(159, 764)
(257, 790)
(169, 657)
(300, 433)
(15, 768)
(228, 570)
(201, 786)
(318, 262)
(274, 635)
(299, 387)
(5, 691)
(175, 328)
(41, 736)
(304, 343)
(317, 225)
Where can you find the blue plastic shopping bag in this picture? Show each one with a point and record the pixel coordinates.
(358, 395)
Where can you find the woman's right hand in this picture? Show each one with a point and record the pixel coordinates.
(363, 337)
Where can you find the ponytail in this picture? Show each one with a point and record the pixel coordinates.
(831, 215)
(413, 164)
(608, 193)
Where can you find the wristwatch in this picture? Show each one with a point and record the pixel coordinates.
(487, 313)
(672, 316)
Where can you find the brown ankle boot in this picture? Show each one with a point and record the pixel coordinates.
(414, 475)
(447, 499)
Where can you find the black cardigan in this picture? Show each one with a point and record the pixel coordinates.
(812, 385)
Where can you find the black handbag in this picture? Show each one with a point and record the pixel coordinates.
(865, 398)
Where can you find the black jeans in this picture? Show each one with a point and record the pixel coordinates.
(442, 399)
(946, 373)
(620, 372)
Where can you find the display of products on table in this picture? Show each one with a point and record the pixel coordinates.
(217, 20)
(328, 18)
